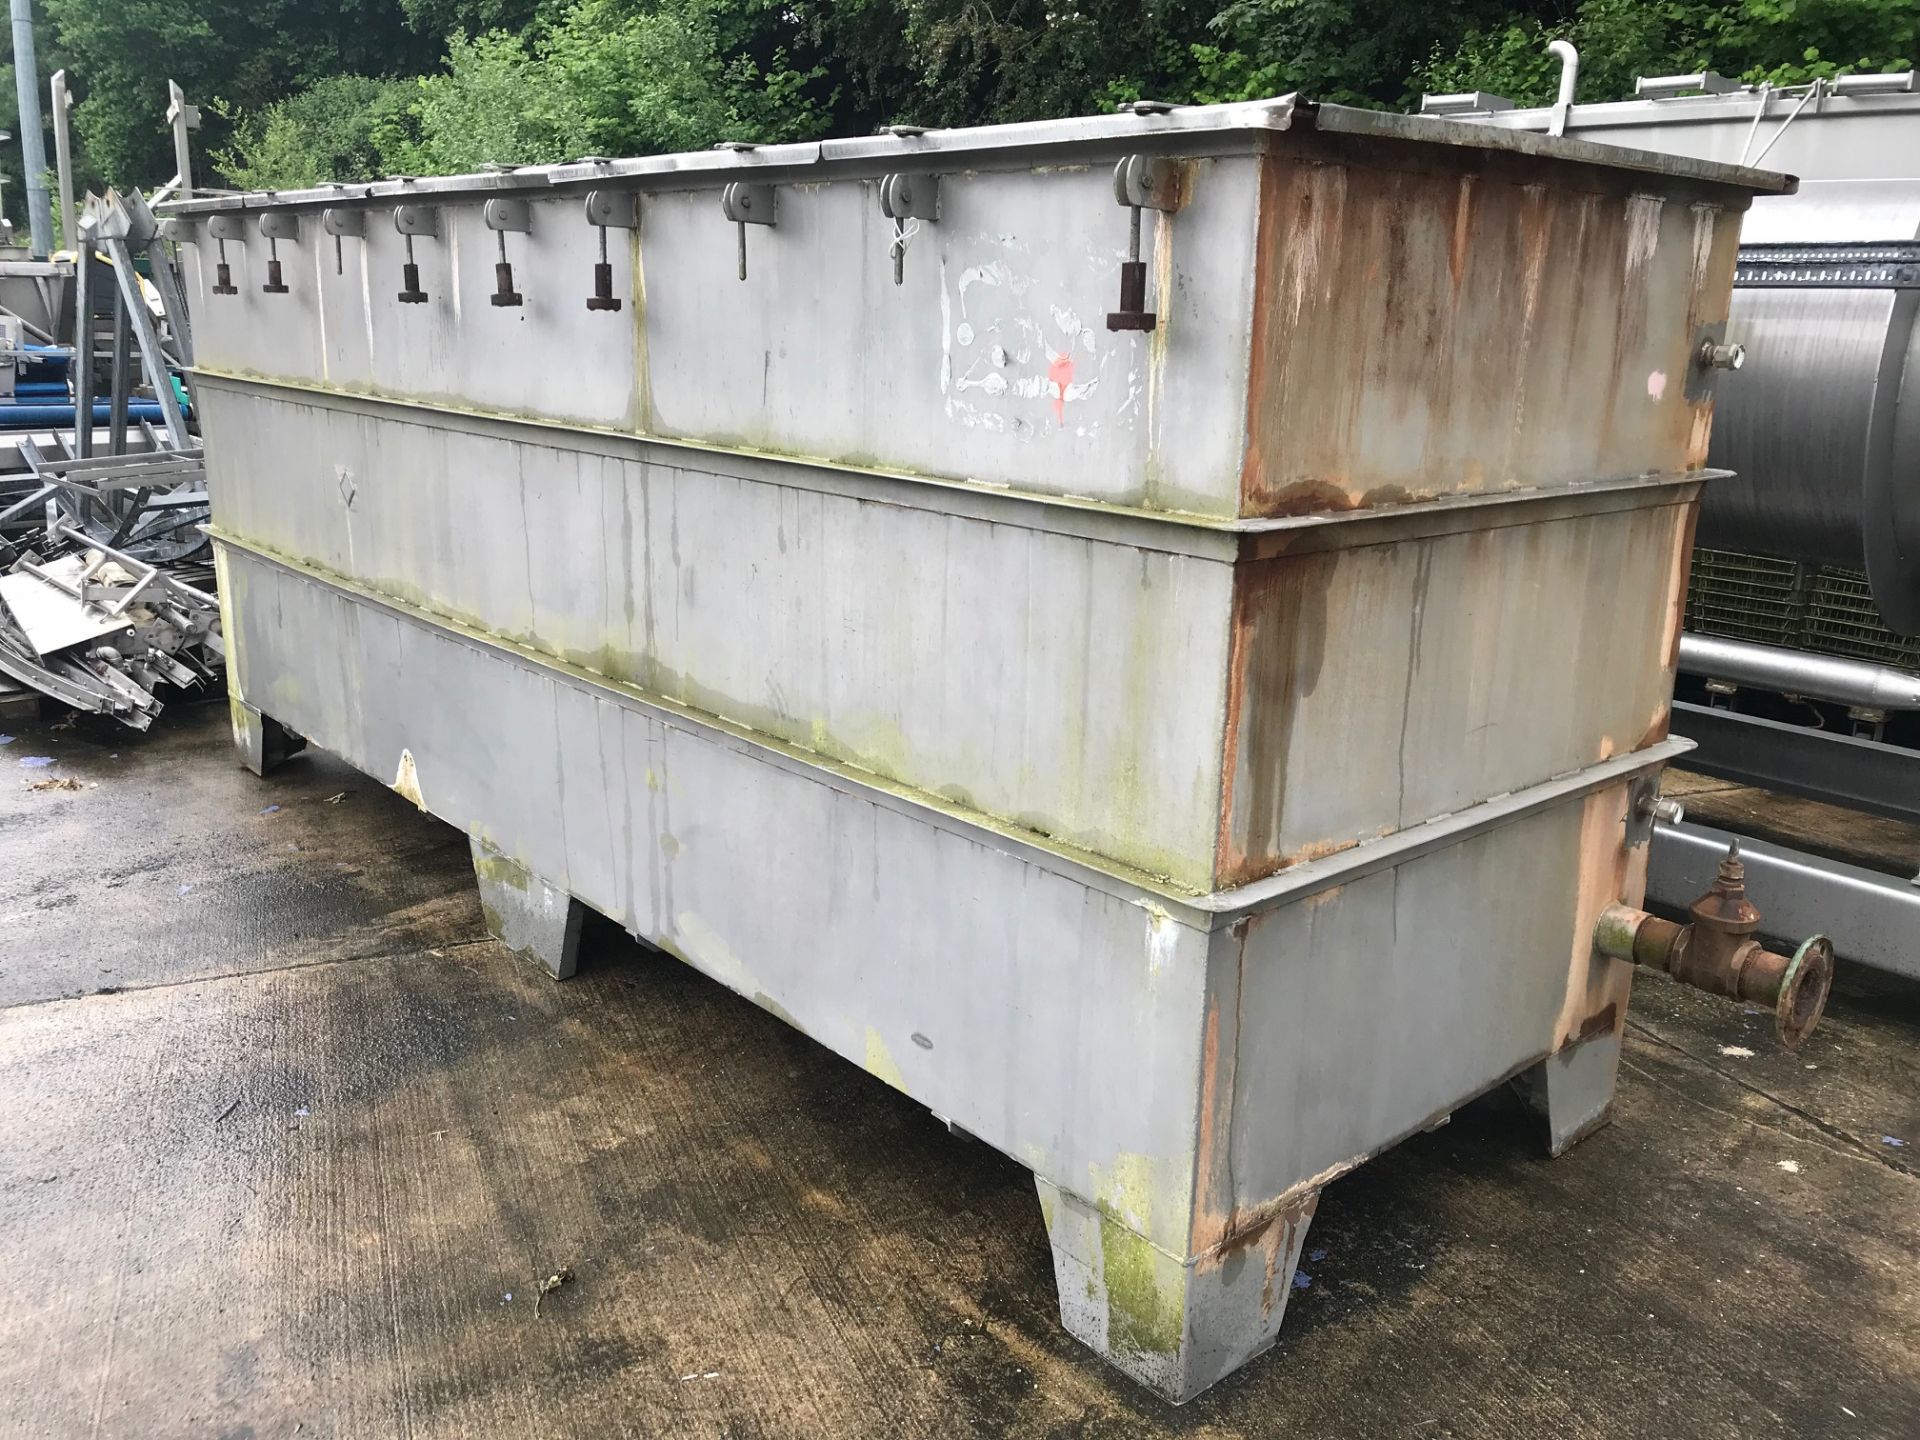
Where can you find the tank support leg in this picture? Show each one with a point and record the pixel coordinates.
(526, 914)
(1573, 1089)
(263, 742)
(1174, 1323)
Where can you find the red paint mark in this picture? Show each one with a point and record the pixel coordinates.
(1060, 375)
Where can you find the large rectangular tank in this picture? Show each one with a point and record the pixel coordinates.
(1179, 717)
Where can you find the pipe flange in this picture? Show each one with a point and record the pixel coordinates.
(1803, 991)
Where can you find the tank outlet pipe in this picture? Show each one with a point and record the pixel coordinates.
(1857, 683)
(1569, 81)
(1716, 951)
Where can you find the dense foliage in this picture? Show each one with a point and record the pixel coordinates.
(296, 91)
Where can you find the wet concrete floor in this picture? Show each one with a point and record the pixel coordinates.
(287, 1145)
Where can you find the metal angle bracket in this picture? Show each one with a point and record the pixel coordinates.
(615, 209)
(227, 227)
(747, 203)
(508, 213)
(412, 220)
(907, 200)
(1140, 182)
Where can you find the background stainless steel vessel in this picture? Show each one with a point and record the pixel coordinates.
(1803, 617)
(1171, 684)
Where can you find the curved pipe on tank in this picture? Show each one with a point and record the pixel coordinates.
(1796, 672)
(1569, 79)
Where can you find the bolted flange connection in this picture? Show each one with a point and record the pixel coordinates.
(1717, 952)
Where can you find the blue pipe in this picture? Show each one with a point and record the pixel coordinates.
(41, 417)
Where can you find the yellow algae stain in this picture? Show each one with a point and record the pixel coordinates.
(880, 1061)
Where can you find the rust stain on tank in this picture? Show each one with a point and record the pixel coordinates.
(1280, 628)
(1475, 321)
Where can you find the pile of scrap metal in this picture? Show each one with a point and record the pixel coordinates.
(107, 593)
(105, 596)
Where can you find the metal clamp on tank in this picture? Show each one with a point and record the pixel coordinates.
(904, 199)
(343, 222)
(1140, 182)
(412, 220)
(224, 228)
(609, 208)
(747, 204)
(277, 225)
(501, 216)
(1717, 952)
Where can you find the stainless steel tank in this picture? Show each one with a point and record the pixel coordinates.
(1823, 428)
(1152, 634)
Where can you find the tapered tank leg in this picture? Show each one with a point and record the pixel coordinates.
(263, 742)
(1175, 1323)
(1573, 1089)
(526, 914)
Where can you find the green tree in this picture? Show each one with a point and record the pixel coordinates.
(340, 129)
(244, 53)
(1785, 41)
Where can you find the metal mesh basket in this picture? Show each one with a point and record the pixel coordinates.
(1822, 608)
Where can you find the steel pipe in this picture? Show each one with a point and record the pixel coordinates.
(1716, 951)
(1857, 683)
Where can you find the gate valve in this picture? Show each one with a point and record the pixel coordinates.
(1717, 952)
(1140, 183)
(604, 208)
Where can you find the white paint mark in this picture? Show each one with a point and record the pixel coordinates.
(1704, 217)
(1643, 230)
(963, 332)
(1792, 1167)
(1736, 1052)
(1656, 384)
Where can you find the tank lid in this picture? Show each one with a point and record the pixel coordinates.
(1174, 128)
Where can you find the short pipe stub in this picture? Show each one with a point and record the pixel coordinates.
(1804, 990)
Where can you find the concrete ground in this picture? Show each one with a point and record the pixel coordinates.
(287, 1147)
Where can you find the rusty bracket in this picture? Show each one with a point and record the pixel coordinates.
(1140, 182)
(746, 203)
(907, 200)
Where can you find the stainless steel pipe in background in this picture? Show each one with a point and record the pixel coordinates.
(1857, 683)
